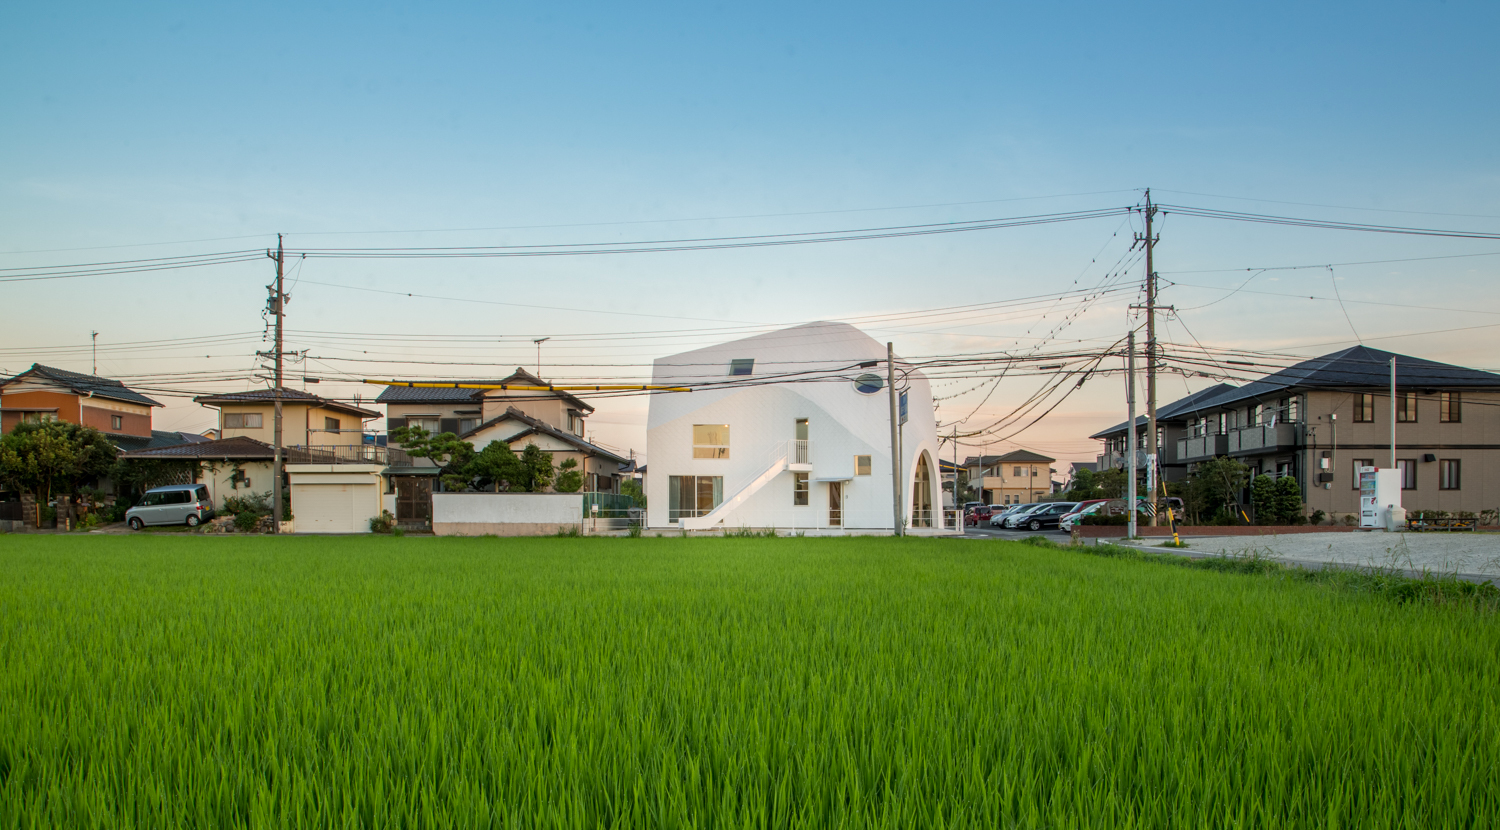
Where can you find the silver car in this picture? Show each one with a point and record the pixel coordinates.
(173, 504)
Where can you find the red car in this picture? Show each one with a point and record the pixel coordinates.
(979, 514)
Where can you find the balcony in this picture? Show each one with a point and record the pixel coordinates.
(349, 454)
(1202, 447)
(1263, 439)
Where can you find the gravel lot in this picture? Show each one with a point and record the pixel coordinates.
(1467, 554)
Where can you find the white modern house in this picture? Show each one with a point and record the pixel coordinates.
(790, 430)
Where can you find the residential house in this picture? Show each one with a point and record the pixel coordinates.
(306, 419)
(1171, 427)
(230, 467)
(1018, 477)
(458, 410)
(1322, 419)
(45, 393)
(601, 468)
(790, 430)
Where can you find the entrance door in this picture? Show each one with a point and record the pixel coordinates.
(414, 499)
(835, 504)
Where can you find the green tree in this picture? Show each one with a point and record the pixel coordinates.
(496, 466)
(632, 488)
(1085, 486)
(569, 478)
(1288, 501)
(445, 450)
(53, 458)
(536, 469)
(1263, 497)
(1214, 486)
(1111, 484)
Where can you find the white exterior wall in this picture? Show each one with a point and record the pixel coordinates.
(843, 423)
(504, 514)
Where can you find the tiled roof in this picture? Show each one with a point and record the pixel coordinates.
(287, 396)
(85, 384)
(238, 447)
(1173, 410)
(1019, 456)
(159, 438)
(535, 425)
(454, 394)
(1357, 367)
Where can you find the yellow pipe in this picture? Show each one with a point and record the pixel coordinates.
(597, 388)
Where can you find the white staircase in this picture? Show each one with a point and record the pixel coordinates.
(787, 455)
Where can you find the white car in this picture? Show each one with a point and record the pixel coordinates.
(1065, 524)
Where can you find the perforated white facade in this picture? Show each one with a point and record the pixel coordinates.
(747, 464)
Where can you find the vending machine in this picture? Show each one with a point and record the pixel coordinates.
(1378, 490)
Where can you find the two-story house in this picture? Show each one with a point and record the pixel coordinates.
(1322, 419)
(1171, 425)
(1019, 477)
(306, 419)
(458, 410)
(44, 393)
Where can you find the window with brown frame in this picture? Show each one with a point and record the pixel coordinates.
(1408, 468)
(1364, 408)
(1450, 408)
(1449, 474)
(1406, 407)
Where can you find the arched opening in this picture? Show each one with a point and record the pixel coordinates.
(921, 492)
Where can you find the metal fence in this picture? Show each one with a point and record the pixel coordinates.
(348, 454)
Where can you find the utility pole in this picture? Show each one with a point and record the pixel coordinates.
(1151, 348)
(958, 505)
(95, 335)
(278, 305)
(890, 382)
(1131, 440)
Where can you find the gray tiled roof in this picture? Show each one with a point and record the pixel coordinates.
(1357, 367)
(85, 384)
(453, 394)
(536, 425)
(1175, 409)
(158, 439)
(238, 447)
(286, 395)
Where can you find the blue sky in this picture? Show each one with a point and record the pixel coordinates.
(162, 123)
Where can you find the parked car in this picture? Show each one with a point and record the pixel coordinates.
(998, 517)
(1047, 514)
(1065, 524)
(1010, 519)
(173, 504)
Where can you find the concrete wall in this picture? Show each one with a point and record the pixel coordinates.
(504, 514)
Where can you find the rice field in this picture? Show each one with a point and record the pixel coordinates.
(417, 682)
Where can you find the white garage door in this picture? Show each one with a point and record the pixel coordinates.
(333, 508)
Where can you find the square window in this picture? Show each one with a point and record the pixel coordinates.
(331, 424)
(741, 367)
(710, 440)
(862, 465)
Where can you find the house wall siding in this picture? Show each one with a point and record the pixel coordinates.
(66, 405)
(131, 423)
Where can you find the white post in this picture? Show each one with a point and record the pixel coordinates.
(1131, 440)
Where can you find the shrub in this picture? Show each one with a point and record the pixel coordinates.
(384, 523)
(246, 520)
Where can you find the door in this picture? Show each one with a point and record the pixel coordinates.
(414, 499)
(835, 504)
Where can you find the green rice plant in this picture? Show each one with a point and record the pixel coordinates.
(178, 681)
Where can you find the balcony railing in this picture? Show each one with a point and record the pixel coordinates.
(1202, 447)
(1249, 440)
(349, 454)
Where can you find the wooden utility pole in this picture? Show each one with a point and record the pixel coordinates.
(278, 306)
(890, 380)
(1152, 449)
